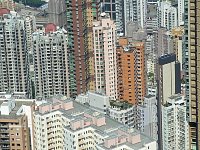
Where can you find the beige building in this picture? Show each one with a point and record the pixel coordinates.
(192, 44)
(16, 132)
(104, 39)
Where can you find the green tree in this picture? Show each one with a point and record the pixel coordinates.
(31, 3)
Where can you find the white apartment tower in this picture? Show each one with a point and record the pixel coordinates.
(14, 66)
(167, 15)
(104, 32)
(142, 12)
(174, 124)
(30, 27)
(180, 12)
(130, 12)
(147, 113)
(50, 62)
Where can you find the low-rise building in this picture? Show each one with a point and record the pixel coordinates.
(121, 111)
(16, 120)
(62, 123)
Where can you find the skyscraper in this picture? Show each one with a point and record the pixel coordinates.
(180, 12)
(79, 65)
(167, 15)
(192, 56)
(131, 71)
(92, 13)
(115, 9)
(104, 39)
(168, 83)
(174, 124)
(130, 12)
(14, 64)
(142, 12)
(50, 62)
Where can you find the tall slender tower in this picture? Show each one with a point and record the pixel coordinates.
(50, 62)
(14, 64)
(80, 15)
(104, 38)
(192, 64)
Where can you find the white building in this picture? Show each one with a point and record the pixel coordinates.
(50, 62)
(66, 124)
(122, 112)
(142, 12)
(152, 89)
(130, 12)
(174, 124)
(14, 63)
(104, 33)
(181, 12)
(147, 113)
(167, 15)
(97, 101)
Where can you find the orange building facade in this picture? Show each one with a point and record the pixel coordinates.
(131, 71)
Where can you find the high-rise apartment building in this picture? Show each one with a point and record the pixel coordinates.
(191, 55)
(177, 39)
(115, 9)
(92, 13)
(14, 64)
(50, 62)
(168, 69)
(120, 111)
(104, 39)
(16, 128)
(130, 12)
(62, 123)
(142, 12)
(174, 123)
(167, 15)
(180, 12)
(57, 12)
(147, 121)
(80, 17)
(30, 27)
(131, 71)
(77, 46)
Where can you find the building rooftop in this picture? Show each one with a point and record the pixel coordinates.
(18, 104)
(119, 104)
(101, 124)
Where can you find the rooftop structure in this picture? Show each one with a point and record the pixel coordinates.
(83, 128)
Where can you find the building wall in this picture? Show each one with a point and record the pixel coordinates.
(174, 124)
(14, 133)
(167, 15)
(50, 63)
(131, 71)
(77, 46)
(57, 12)
(147, 117)
(92, 13)
(105, 56)
(192, 68)
(14, 65)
